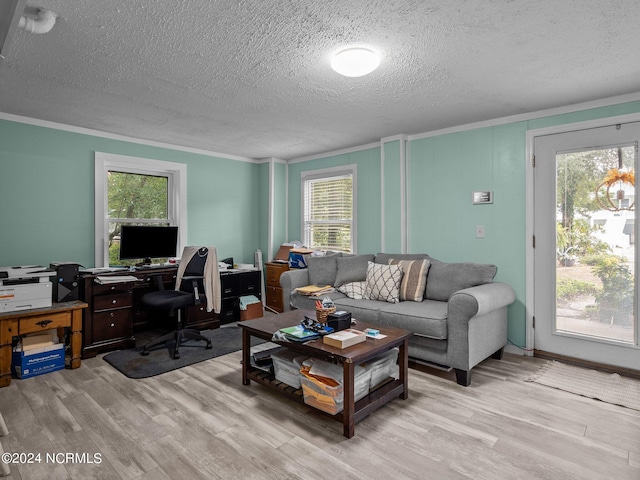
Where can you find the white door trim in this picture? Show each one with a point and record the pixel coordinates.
(529, 231)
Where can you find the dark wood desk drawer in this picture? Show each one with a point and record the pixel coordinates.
(168, 278)
(40, 323)
(98, 289)
(199, 312)
(107, 302)
(111, 325)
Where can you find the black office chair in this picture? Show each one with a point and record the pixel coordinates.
(175, 301)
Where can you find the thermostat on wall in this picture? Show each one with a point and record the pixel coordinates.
(481, 198)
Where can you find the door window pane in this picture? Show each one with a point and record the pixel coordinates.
(595, 243)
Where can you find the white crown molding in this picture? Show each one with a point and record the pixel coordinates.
(333, 153)
(270, 159)
(122, 138)
(605, 102)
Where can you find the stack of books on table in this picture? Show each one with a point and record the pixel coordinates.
(315, 290)
(298, 333)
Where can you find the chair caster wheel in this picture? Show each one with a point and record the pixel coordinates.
(144, 352)
(176, 356)
(209, 346)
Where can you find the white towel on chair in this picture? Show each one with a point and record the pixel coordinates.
(211, 276)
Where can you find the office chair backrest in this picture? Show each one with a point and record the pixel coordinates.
(195, 268)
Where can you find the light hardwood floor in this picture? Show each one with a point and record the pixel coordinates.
(200, 422)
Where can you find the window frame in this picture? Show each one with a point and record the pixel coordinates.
(176, 174)
(327, 174)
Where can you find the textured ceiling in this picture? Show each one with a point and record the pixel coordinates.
(252, 78)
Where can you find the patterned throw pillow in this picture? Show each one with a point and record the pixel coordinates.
(353, 290)
(383, 282)
(414, 278)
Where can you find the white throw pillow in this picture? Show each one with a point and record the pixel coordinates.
(383, 282)
(353, 290)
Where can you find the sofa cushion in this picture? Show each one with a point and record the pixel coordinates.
(360, 310)
(383, 282)
(427, 318)
(444, 279)
(352, 268)
(322, 270)
(385, 257)
(414, 278)
(354, 290)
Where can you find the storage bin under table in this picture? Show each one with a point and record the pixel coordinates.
(326, 395)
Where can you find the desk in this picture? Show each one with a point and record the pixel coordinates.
(59, 316)
(115, 313)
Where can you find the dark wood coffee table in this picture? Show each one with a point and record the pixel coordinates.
(348, 357)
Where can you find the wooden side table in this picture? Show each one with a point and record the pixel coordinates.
(59, 316)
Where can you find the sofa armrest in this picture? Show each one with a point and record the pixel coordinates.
(481, 299)
(477, 323)
(289, 281)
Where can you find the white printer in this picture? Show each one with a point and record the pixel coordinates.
(25, 287)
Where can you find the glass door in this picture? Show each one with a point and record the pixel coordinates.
(586, 258)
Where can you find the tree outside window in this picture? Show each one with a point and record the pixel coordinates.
(134, 199)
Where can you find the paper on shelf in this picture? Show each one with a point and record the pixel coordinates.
(116, 279)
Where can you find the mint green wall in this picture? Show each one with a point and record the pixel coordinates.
(368, 201)
(47, 196)
(442, 173)
(392, 176)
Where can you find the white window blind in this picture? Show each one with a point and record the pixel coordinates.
(329, 211)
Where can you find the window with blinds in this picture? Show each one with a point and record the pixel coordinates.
(329, 210)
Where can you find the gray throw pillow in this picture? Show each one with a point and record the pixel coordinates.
(322, 270)
(352, 269)
(444, 279)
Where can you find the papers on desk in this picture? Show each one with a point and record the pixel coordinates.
(116, 279)
(102, 270)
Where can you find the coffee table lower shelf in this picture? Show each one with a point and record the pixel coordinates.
(382, 394)
(349, 357)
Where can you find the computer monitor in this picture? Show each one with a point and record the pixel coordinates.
(146, 242)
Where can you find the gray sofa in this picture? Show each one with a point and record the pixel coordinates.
(461, 320)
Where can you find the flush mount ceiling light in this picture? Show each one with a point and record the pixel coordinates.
(355, 62)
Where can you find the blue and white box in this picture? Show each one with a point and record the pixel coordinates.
(39, 361)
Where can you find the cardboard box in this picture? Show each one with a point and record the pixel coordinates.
(37, 362)
(254, 310)
(283, 253)
(345, 338)
(32, 342)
